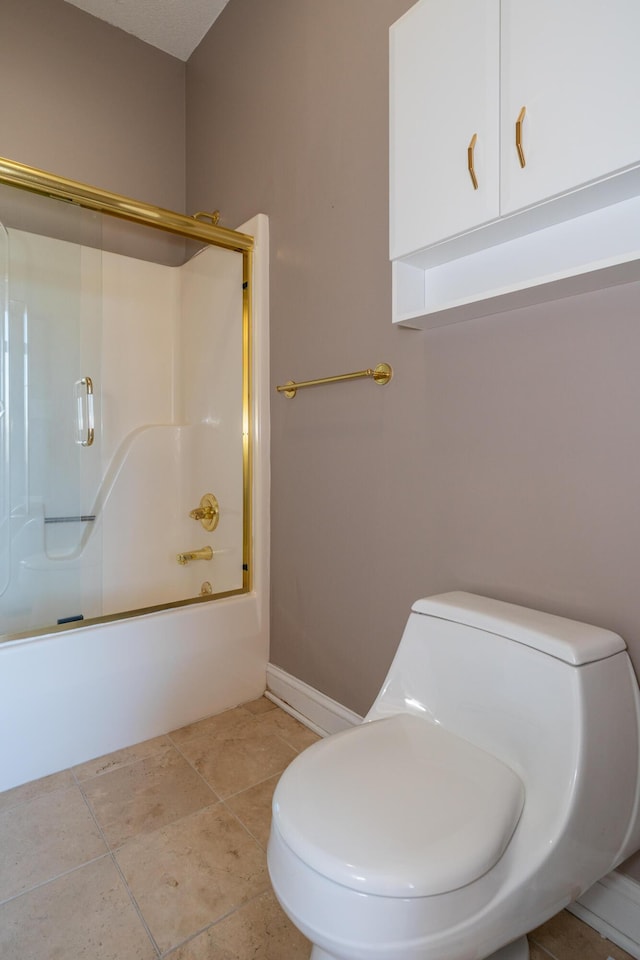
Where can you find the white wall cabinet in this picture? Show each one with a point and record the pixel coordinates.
(575, 66)
(445, 88)
(569, 218)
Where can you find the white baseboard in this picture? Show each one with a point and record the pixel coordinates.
(314, 709)
(612, 907)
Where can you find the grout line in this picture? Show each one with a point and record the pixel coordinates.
(540, 946)
(214, 923)
(258, 783)
(243, 825)
(221, 800)
(281, 736)
(58, 876)
(218, 798)
(134, 902)
(295, 749)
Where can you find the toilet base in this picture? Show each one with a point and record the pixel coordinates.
(518, 950)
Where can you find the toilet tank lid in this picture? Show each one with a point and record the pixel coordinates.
(569, 640)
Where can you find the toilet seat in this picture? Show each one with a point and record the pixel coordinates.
(398, 807)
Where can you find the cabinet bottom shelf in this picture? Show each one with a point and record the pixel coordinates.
(598, 249)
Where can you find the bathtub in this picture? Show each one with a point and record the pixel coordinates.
(68, 696)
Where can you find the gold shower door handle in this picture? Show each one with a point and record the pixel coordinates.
(470, 160)
(519, 147)
(85, 440)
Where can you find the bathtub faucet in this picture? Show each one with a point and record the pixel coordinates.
(206, 553)
(208, 513)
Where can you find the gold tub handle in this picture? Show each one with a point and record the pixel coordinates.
(208, 513)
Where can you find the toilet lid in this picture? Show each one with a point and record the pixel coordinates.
(398, 807)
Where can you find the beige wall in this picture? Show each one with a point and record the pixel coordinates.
(87, 101)
(503, 458)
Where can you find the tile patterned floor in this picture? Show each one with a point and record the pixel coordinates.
(159, 851)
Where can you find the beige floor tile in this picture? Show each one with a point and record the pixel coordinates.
(568, 938)
(289, 729)
(35, 788)
(85, 915)
(253, 808)
(45, 837)
(112, 761)
(260, 706)
(143, 796)
(196, 865)
(236, 753)
(259, 931)
(228, 725)
(189, 874)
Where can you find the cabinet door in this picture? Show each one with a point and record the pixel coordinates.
(444, 81)
(575, 67)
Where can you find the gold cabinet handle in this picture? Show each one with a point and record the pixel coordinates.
(470, 151)
(519, 148)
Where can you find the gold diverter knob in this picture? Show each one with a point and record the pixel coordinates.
(208, 513)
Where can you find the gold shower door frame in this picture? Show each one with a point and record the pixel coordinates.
(50, 185)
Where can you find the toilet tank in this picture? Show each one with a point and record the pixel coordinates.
(555, 699)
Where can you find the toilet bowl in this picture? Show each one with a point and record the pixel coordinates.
(493, 781)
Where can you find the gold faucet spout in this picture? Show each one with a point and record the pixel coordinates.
(205, 553)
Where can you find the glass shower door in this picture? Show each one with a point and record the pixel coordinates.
(99, 504)
(52, 383)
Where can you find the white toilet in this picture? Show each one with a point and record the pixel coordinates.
(494, 780)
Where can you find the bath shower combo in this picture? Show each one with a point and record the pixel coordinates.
(132, 484)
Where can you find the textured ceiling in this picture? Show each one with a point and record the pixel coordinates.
(175, 26)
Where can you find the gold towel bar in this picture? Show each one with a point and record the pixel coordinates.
(381, 374)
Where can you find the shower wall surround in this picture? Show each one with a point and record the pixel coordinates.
(163, 347)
